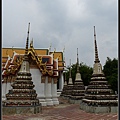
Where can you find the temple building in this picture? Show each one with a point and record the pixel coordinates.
(46, 68)
(99, 97)
(78, 88)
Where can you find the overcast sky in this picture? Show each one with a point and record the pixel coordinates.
(63, 23)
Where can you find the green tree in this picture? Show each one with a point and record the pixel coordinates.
(110, 70)
(85, 71)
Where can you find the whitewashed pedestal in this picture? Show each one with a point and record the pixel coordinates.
(54, 91)
(48, 96)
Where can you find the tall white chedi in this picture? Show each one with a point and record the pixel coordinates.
(99, 97)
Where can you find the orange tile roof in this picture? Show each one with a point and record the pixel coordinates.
(59, 55)
(9, 51)
(4, 60)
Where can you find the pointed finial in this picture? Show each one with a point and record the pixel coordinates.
(12, 48)
(54, 50)
(70, 62)
(77, 57)
(70, 69)
(50, 47)
(77, 62)
(96, 51)
(64, 49)
(31, 43)
(26, 50)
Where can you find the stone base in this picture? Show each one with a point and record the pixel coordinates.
(12, 110)
(49, 102)
(98, 109)
(58, 93)
(72, 101)
(43, 102)
(55, 102)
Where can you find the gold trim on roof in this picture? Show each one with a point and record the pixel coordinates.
(41, 65)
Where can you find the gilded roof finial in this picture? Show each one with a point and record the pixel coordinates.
(26, 50)
(54, 50)
(50, 47)
(12, 48)
(64, 49)
(96, 51)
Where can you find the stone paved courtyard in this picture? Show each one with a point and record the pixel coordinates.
(64, 111)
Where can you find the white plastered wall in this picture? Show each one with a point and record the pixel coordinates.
(36, 78)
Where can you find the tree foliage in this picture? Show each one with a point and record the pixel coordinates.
(110, 70)
(85, 72)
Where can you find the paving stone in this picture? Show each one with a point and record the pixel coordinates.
(64, 111)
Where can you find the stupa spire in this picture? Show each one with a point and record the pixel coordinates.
(27, 41)
(70, 76)
(65, 83)
(96, 51)
(70, 69)
(77, 62)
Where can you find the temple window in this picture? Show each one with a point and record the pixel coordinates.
(45, 60)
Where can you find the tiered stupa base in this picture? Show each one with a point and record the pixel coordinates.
(76, 99)
(77, 94)
(99, 97)
(78, 91)
(63, 92)
(68, 92)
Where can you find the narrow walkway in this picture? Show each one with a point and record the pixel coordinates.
(64, 111)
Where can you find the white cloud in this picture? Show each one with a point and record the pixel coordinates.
(66, 23)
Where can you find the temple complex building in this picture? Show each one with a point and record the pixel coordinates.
(78, 88)
(99, 97)
(46, 68)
